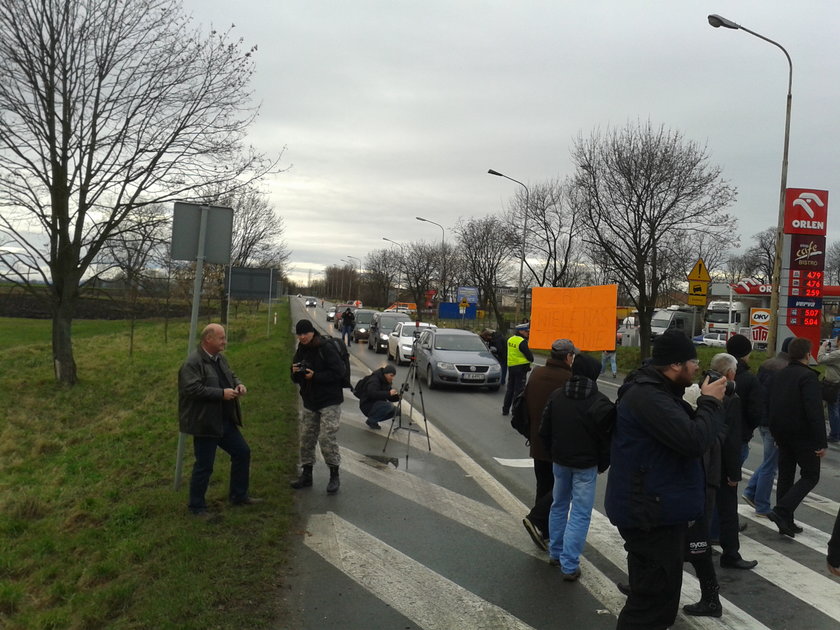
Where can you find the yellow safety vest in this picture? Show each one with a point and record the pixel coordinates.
(514, 356)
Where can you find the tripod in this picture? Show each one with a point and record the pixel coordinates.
(413, 385)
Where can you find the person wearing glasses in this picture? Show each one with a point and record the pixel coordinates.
(656, 482)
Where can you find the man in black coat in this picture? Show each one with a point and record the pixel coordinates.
(497, 344)
(798, 426)
(378, 395)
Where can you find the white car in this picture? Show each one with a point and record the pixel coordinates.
(401, 340)
(713, 340)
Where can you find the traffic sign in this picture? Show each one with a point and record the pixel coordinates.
(696, 287)
(697, 300)
(699, 272)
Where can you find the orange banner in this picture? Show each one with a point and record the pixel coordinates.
(586, 315)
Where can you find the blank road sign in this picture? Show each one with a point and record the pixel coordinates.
(186, 224)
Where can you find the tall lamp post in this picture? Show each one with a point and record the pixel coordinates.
(443, 254)
(360, 275)
(402, 247)
(717, 21)
(524, 232)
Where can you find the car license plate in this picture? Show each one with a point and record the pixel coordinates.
(472, 377)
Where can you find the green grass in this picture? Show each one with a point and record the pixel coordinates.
(92, 534)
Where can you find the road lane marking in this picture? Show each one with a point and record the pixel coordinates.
(526, 462)
(810, 537)
(813, 500)
(390, 575)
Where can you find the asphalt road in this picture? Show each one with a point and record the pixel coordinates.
(433, 539)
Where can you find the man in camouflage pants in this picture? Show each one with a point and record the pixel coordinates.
(319, 371)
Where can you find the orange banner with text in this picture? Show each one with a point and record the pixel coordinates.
(586, 315)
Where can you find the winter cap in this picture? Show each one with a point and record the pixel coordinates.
(585, 365)
(738, 346)
(525, 326)
(672, 346)
(389, 369)
(786, 343)
(562, 347)
(304, 326)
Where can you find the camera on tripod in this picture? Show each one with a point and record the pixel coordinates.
(713, 376)
(404, 387)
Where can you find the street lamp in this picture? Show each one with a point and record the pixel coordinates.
(524, 231)
(717, 21)
(359, 288)
(402, 263)
(443, 253)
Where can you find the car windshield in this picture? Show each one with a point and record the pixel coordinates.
(660, 322)
(412, 332)
(717, 317)
(363, 318)
(387, 324)
(459, 342)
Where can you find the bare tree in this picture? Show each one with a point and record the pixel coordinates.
(481, 244)
(383, 269)
(832, 264)
(422, 265)
(640, 190)
(107, 106)
(764, 253)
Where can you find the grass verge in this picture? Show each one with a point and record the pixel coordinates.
(91, 533)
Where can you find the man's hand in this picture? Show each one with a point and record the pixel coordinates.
(716, 388)
(393, 392)
(229, 394)
(309, 374)
(820, 453)
(241, 390)
(833, 570)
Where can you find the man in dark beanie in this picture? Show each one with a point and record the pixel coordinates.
(319, 371)
(378, 395)
(656, 482)
(797, 423)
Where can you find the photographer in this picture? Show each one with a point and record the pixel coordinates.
(377, 396)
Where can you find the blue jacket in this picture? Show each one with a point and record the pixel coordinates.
(656, 475)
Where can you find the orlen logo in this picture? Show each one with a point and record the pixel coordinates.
(805, 211)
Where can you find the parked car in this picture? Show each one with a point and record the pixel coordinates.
(381, 327)
(310, 302)
(714, 340)
(331, 313)
(339, 310)
(447, 356)
(364, 317)
(401, 341)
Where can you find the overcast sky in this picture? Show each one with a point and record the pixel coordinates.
(394, 109)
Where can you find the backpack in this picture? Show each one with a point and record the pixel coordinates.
(520, 420)
(361, 384)
(344, 354)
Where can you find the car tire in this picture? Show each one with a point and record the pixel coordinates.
(430, 379)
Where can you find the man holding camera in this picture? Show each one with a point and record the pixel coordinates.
(378, 396)
(319, 371)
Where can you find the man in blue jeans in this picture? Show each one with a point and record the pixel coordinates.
(378, 396)
(760, 487)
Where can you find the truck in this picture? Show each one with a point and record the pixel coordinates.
(682, 318)
(726, 317)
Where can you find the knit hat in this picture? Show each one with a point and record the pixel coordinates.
(304, 326)
(563, 347)
(389, 369)
(786, 343)
(672, 346)
(585, 365)
(738, 346)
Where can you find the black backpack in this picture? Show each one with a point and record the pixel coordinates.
(361, 384)
(520, 420)
(341, 349)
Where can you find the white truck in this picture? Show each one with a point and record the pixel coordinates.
(682, 318)
(726, 317)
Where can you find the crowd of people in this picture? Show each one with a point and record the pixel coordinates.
(672, 446)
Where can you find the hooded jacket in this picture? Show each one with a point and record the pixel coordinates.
(656, 475)
(376, 388)
(576, 425)
(544, 380)
(324, 389)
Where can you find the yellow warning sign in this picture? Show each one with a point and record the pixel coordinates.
(699, 272)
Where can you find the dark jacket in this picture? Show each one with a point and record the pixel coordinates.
(751, 392)
(498, 346)
(544, 380)
(656, 475)
(576, 425)
(325, 387)
(730, 440)
(348, 318)
(796, 410)
(376, 388)
(766, 373)
(201, 406)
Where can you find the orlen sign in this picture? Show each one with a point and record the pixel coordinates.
(806, 211)
(751, 286)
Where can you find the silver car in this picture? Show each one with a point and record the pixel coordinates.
(447, 356)
(401, 341)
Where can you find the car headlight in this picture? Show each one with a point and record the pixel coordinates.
(407, 347)
(495, 368)
(383, 336)
(443, 365)
(361, 330)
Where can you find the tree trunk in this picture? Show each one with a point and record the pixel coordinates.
(62, 343)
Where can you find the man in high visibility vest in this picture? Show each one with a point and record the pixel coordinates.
(519, 359)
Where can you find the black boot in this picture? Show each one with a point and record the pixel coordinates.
(305, 479)
(709, 604)
(334, 483)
